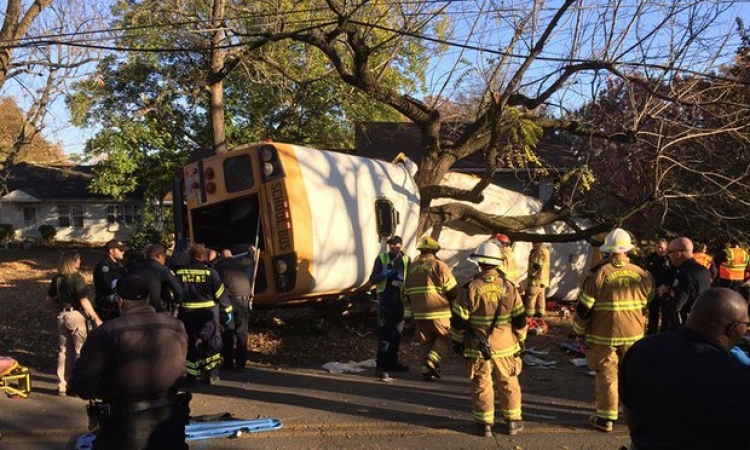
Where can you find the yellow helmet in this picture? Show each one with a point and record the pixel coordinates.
(428, 243)
(617, 241)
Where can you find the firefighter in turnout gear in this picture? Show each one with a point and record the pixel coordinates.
(429, 288)
(611, 313)
(388, 277)
(508, 266)
(488, 327)
(205, 303)
(537, 281)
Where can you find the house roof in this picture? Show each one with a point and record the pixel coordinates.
(385, 140)
(53, 182)
(19, 196)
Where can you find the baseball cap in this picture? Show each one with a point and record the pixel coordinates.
(132, 287)
(114, 243)
(395, 240)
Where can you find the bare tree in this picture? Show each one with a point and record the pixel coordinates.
(38, 63)
(518, 58)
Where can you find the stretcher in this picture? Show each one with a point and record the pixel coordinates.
(14, 378)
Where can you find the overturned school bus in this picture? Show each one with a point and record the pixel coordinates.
(320, 219)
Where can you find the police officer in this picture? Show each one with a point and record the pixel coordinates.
(388, 276)
(237, 272)
(106, 273)
(489, 310)
(134, 363)
(429, 288)
(165, 290)
(205, 304)
(611, 313)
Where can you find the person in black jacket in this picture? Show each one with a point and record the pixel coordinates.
(237, 274)
(106, 273)
(660, 267)
(690, 280)
(135, 364)
(165, 290)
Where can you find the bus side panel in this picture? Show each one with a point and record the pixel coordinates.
(344, 188)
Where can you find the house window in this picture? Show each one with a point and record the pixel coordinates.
(126, 213)
(70, 215)
(29, 217)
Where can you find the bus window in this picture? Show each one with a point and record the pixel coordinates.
(238, 173)
(228, 223)
(387, 218)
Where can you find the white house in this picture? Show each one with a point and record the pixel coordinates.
(35, 195)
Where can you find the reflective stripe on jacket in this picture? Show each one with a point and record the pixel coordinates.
(428, 281)
(733, 268)
(612, 303)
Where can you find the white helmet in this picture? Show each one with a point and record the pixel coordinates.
(487, 253)
(617, 241)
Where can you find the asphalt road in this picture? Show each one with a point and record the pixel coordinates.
(320, 410)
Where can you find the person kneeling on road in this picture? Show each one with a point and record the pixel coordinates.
(488, 327)
(134, 364)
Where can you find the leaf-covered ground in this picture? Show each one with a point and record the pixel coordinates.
(299, 337)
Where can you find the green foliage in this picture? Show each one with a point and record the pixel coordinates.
(7, 232)
(149, 231)
(47, 232)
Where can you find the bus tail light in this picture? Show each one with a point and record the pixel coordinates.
(209, 173)
(211, 187)
(269, 158)
(285, 272)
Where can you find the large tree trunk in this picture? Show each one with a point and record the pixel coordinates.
(216, 80)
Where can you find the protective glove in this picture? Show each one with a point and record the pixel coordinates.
(389, 273)
(228, 320)
(458, 348)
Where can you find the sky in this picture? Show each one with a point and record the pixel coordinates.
(443, 72)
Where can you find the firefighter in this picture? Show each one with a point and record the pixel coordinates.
(489, 310)
(508, 267)
(205, 303)
(611, 313)
(429, 288)
(388, 277)
(732, 264)
(538, 280)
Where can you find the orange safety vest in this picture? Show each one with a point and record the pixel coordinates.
(703, 259)
(734, 267)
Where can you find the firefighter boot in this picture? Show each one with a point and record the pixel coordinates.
(484, 429)
(431, 367)
(601, 423)
(515, 427)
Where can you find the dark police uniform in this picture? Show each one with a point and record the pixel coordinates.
(237, 275)
(662, 271)
(690, 280)
(204, 296)
(163, 286)
(134, 364)
(105, 274)
(684, 392)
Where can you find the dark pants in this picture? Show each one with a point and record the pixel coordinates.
(156, 428)
(671, 318)
(390, 318)
(204, 341)
(655, 310)
(734, 285)
(234, 342)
